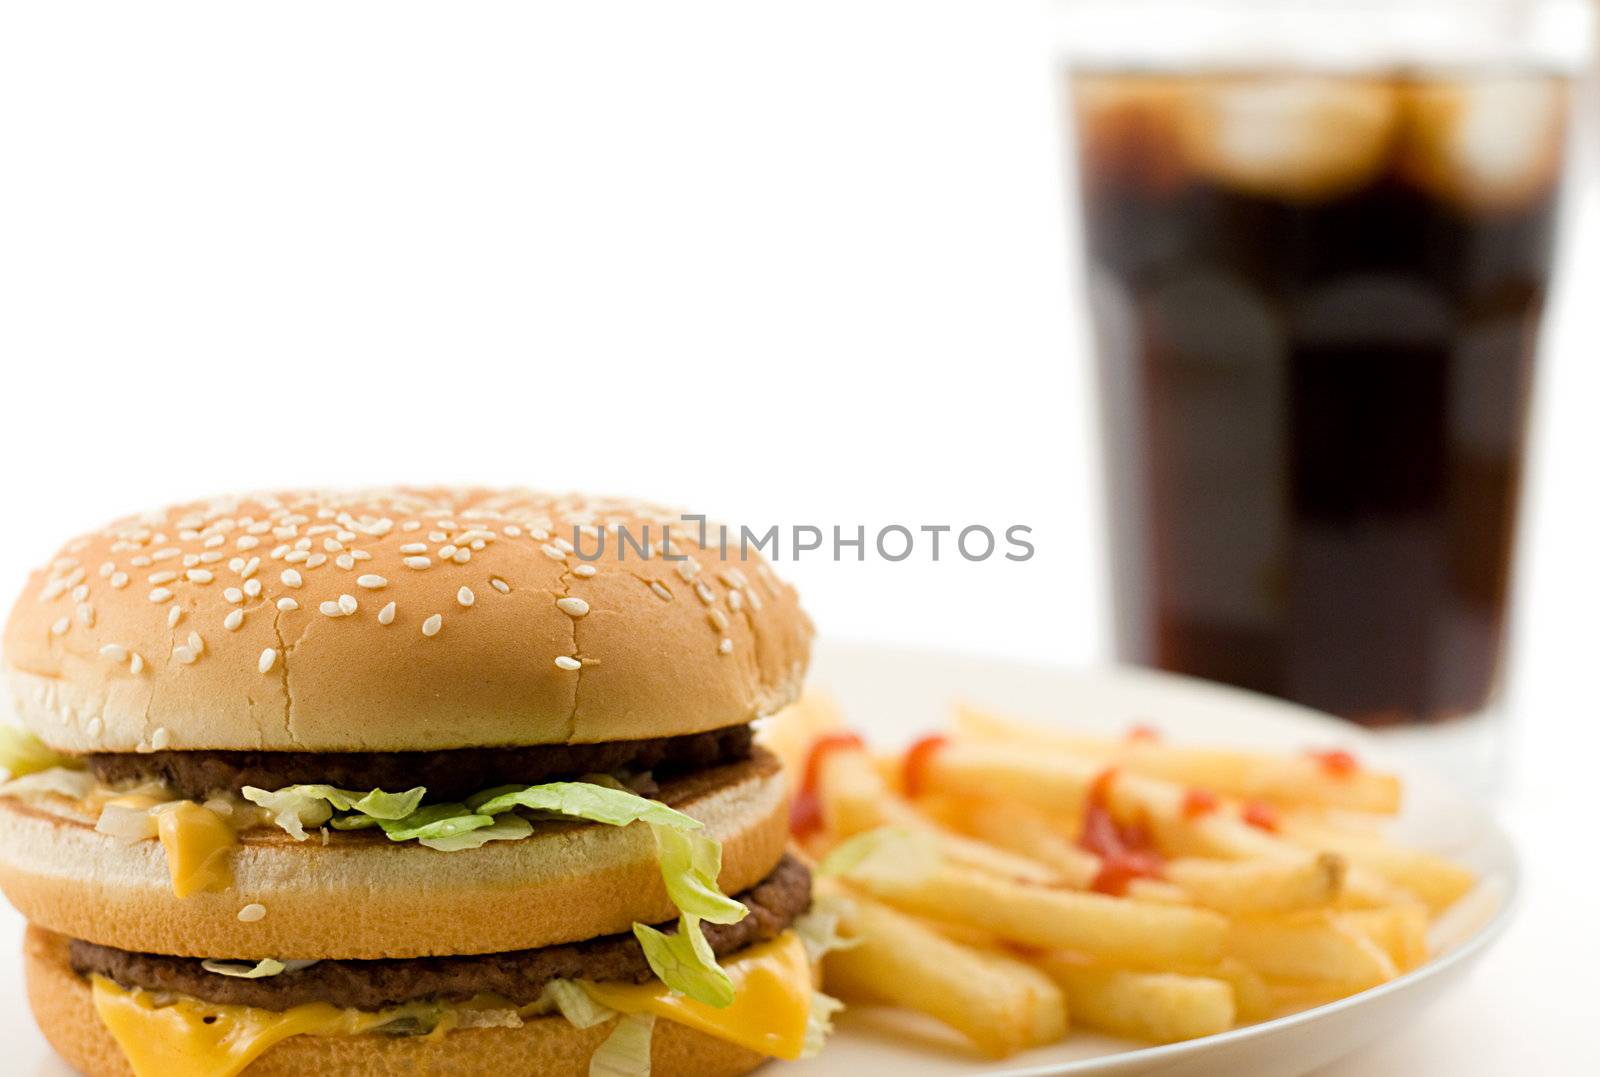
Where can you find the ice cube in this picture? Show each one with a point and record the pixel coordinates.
(1486, 143)
(1297, 137)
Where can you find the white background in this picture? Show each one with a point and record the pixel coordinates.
(783, 262)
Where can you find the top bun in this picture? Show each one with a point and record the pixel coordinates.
(397, 620)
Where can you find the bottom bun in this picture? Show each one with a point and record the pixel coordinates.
(63, 1006)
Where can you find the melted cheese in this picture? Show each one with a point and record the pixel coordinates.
(198, 843)
(190, 1038)
(772, 982)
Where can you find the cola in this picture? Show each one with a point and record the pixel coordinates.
(1316, 303)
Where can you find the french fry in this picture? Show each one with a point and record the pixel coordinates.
(1309, 947)
(1282, 779)
(1252, 997)
(1001, 1004)
(1143, 933)
(1028, 832)
(1401, 930)
(1258, 886)
(1435, 880)
(1161, 1007)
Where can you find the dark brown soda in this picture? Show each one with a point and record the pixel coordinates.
(1315, 364)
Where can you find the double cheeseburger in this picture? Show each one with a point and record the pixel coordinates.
(406, 781)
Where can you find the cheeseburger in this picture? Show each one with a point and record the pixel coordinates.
(403, 781)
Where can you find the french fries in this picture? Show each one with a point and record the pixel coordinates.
(1002, 1004)
(1007, 875)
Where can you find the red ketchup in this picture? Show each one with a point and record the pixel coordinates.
(805, 814)
(1336, 762)
(1198, 802)
(1125, 851)
(1259, 815)
(914, 771)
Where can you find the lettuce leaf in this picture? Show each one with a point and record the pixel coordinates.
(506, 828)
(819, 1023)
(52, 781)
(684, 961)
(889, 852)
(577, 1005)
(596, 803)
(690, 862)
(242, 971)
(626, 1052)
(819, 928)
(23, 753)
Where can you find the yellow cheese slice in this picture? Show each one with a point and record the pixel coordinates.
(191, 1038)
(198, 843)
(772, 982)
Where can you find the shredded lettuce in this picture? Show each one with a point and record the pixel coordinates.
(296, 807)
(690, 860)
(626, 1052)
(819, 928)
(22, 753)
(577, 1005)
(684, 961)
(242, 971)
(819, 1023)
(506, 828)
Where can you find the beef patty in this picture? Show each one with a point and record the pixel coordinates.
(448, 775)
(518, 976)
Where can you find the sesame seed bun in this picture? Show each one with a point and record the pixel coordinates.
(362, 896)
(396, 620)
(63, 1006)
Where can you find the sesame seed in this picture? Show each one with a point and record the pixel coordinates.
(295, 557)
(661, 590)
(316, 560)
(572, 607)
(119, 580)
(234, 619)
(268, 659)
(447, 551)
(371, 582)
(107, 569)
(466, 597)
(184, 655)
(160, 594)
(414, 547)
(233, 594)
(161, 738)
(250, 567)
(563, 545)
(196, 644)
(736, 601)
(687, 570)
(114, 651)
(61, 625)
(705, 593)
(431, 626)
(386, 615)
(417, 562)
(500, 585)
(462, 556)
(199, 575)
(286, 604)
(718, 619)
(252, 587)
(554, 553)
(583, 570)
(247, 542)
(360, 555)
(345, 561)
(80, 592)
(332, 545)
(347, 603)
(140, 561)
(331, 609)
(290, 578)
(174, 615)
(563, 662)
(86, 614)
(163, 577)
(726, 646)
(214, 541)
(135, 662)
(252, 912)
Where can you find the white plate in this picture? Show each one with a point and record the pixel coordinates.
(894, 695)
